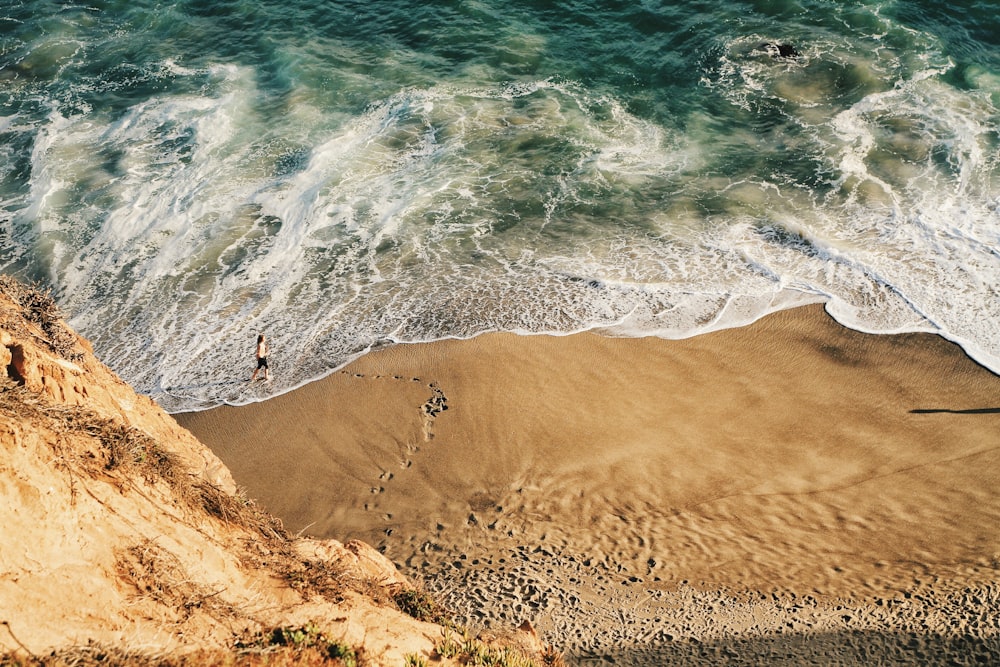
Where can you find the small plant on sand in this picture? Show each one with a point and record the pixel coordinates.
(307, 640)
(488, 656)
(471, 651)
(414, 660)
(448, 648)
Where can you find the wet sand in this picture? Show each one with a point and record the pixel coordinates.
(789, 491)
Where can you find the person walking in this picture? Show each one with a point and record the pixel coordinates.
(261, 359)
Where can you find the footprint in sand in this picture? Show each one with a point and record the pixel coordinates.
(434, 406)
(429, 411)
(431, 408)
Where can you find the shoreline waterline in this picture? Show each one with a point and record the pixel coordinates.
(609, 331)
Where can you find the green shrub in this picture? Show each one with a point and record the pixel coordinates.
(303, 638)
(421, 606)
(414, 660)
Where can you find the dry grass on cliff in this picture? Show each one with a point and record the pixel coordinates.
(279, 647)
(131, 454)
(36, 305)
(158, 575)
(123, 455)
(91, 448)
(294, 646)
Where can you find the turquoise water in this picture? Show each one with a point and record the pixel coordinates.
(340, 175)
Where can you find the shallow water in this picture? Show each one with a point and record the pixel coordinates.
(347, 174)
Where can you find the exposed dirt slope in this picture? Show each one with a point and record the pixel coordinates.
(121, 530)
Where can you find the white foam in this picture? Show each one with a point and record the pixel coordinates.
(449, 211)
(47, 183)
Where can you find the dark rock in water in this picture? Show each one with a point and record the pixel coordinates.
(779, 50)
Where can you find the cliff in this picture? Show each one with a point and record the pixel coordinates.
(125, 536)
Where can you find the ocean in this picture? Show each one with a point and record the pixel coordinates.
(345, 175)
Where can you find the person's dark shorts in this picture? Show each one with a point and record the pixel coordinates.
(262, 362)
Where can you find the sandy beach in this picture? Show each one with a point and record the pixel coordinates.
(791, 491)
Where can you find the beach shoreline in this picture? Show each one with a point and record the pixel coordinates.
(789, 482)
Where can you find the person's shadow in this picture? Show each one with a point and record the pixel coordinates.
(974, 411)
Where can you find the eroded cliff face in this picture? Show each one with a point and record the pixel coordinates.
(120, 528)
(41, 353)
